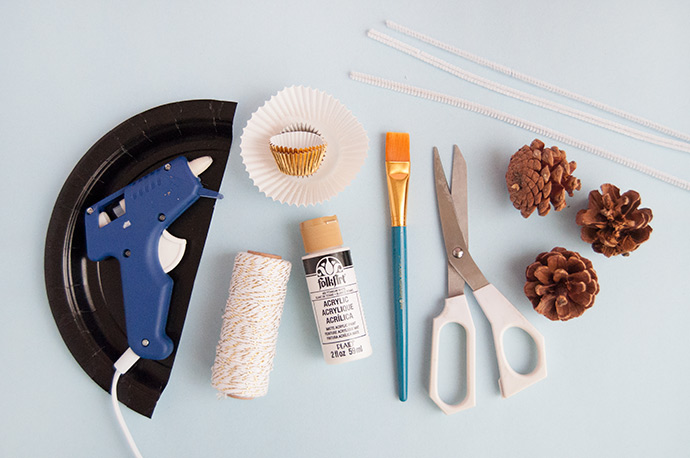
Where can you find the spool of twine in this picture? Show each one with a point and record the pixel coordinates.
(245, 351)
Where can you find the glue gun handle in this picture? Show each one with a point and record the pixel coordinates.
(147, 291)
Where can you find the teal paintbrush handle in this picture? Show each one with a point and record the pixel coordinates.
(399, 242)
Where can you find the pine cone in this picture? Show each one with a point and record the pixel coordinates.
(561, 284)
(538, 177)
(612, 223)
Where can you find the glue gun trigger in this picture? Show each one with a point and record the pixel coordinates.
(170, 248)
(170, 251)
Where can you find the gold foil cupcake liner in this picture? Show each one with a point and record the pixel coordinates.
(298, 153)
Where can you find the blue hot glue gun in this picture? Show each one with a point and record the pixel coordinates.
(131, 226)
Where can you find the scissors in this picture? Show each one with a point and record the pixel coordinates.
(502, 315)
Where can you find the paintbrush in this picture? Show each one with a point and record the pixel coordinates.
(398, 176)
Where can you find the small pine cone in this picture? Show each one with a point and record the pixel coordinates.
(561, 284)
(612, 223)
(538, 177)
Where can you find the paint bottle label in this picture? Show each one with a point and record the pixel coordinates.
(337, 306)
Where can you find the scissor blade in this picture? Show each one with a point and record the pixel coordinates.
(458, 189)
(456, 248)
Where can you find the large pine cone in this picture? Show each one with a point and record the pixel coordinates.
(612, 223)
(561, 284)
(538, 177)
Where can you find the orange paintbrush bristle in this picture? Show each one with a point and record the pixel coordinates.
(397, 147)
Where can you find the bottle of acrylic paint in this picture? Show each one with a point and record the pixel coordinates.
(333, 291)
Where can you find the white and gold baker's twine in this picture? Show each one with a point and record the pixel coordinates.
(245, 351)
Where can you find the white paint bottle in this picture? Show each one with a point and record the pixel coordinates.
(333, 291)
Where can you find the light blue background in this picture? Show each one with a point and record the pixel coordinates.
(618, 376)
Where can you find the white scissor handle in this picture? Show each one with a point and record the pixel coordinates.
(457, 311)
(503, 315)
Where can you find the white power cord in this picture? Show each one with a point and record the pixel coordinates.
(122, 365)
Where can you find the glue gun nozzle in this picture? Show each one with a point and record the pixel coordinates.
(200, 164)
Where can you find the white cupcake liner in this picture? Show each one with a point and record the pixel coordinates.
(297, 140)
(314, 110)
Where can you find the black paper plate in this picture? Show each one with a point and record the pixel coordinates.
(85, 296)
